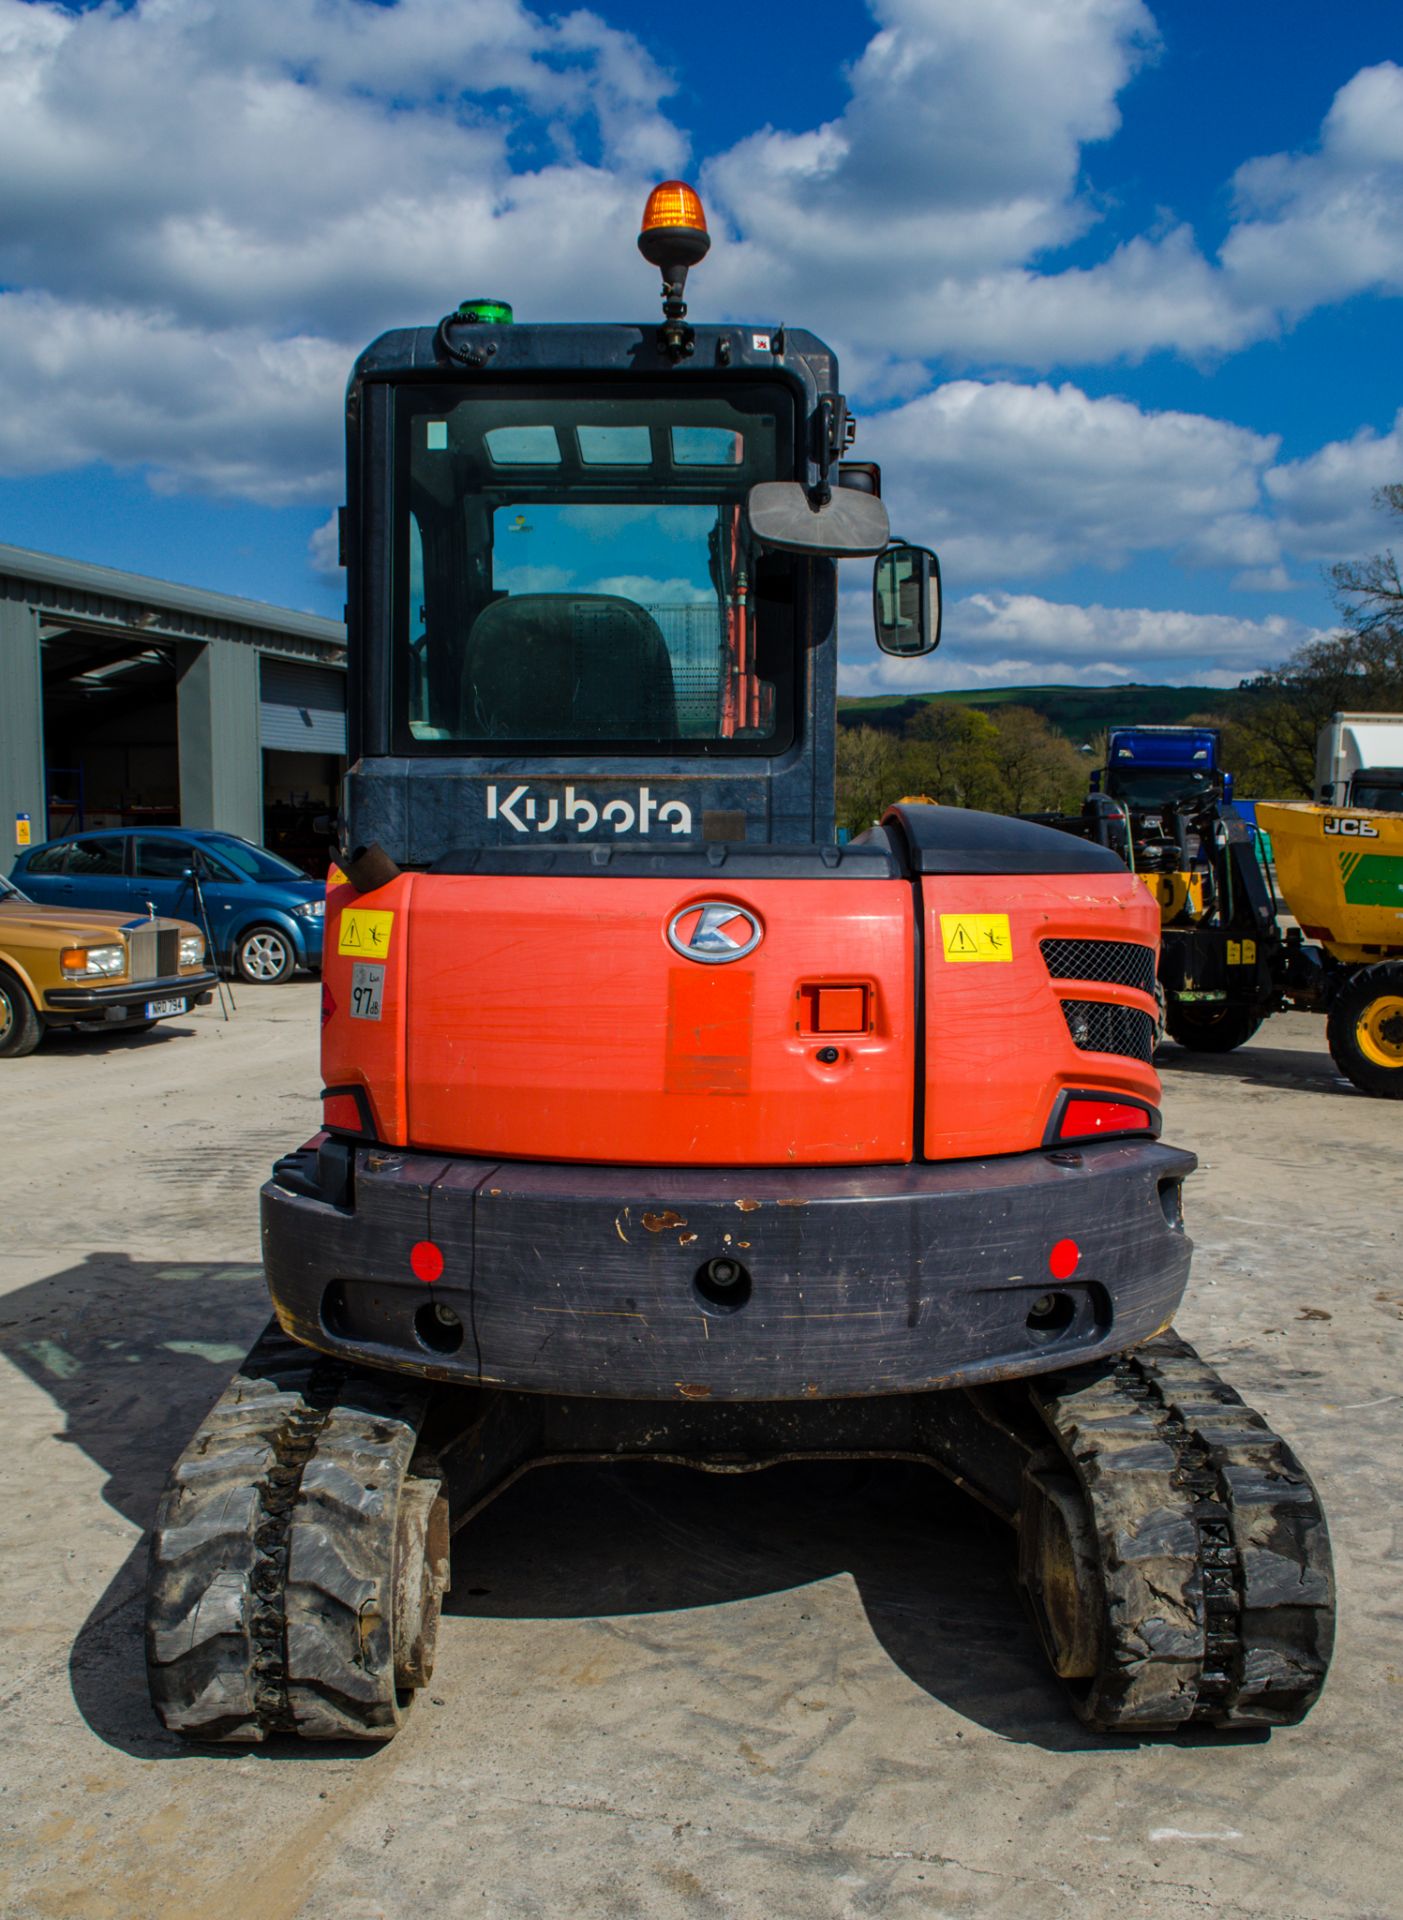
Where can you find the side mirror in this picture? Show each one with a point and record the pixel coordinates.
(849, 525)
(906, 600)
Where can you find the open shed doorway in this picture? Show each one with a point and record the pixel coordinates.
(111, 748)
(302, 725)
(300, 792)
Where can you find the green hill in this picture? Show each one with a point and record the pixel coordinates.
(1078, 712)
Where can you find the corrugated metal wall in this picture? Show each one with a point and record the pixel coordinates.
(302, 709)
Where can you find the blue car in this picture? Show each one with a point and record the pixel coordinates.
(263, 915)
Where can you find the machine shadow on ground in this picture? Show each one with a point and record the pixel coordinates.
(1288, 1068)
(134, 1352)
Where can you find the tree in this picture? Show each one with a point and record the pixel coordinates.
(869, 762)
(1040, 771)
(1359, 668)
(1370, 592)
(954, 755)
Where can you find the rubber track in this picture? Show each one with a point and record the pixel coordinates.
(1214, 1552)
(268, 1595)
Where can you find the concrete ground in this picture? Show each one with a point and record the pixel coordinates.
(808, 1693)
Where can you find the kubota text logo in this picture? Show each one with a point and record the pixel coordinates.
(525, 812)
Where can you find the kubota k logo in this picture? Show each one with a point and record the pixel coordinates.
(713, 932)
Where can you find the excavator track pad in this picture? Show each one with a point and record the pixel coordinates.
(297, 1566)
(1170, 1546)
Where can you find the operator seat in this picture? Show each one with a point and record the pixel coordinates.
(567, 666)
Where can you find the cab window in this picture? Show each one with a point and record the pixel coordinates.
(577, 573)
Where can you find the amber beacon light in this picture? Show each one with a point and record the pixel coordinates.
(674, 238)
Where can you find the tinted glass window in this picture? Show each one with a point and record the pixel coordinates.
(96, 858)
(506, 446)
(1387, 799)
(616, 446)
(213, 864)
(163, 859)
(707, 447)
(576, 570)
(255, 863)
(49, 859)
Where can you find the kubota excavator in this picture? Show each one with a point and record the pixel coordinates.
(659, 1125)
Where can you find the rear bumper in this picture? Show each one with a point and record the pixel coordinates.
(598, 1280)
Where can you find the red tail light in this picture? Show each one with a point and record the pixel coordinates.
(1092, 1116)
(341, 1112)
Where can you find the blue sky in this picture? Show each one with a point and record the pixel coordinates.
(1116, 285)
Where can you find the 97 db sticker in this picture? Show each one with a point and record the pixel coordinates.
(976, 936)
(367, 987)
(365, 932)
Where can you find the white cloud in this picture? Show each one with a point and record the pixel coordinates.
(956, 159)
(1327, 224)
(324, 547)
(1007, 639)
(231, 410)
(206, 203)
(1008, 480)
(650, 591)
(919, 217)
(1324, 503)
(534, 579)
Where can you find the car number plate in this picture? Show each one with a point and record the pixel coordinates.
(367, 985)
(160, 1009)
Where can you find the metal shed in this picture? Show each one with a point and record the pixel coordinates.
(124, 695)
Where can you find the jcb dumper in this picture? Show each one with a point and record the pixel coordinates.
(656, 1124)
(1341, 872)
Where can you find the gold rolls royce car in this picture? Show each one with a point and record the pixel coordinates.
(66, 967)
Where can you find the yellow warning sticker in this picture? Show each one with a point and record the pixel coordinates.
(1249, 953)
(1234, 953)
(365, 932)
(976, 936)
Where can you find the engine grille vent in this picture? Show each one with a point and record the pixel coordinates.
(155, 952)
(1118, 963)
(1099, 1026)
(142, 944)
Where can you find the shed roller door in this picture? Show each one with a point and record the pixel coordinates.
(302, 709)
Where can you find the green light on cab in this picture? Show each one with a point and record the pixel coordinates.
(486, 313)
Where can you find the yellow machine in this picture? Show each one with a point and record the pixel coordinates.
(1179, 895)
(1340, 873)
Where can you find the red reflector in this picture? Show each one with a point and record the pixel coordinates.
(425, 1261)
(1084, 1119)
(342, 1110)
(831, 1009)
(1062, 1261)
(328, 1004)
